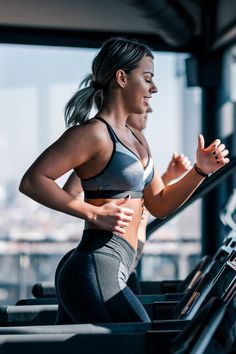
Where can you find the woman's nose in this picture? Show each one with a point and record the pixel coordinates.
(154, 88)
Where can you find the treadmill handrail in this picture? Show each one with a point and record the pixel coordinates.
(207, 185)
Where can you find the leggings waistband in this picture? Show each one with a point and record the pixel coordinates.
(102, 241)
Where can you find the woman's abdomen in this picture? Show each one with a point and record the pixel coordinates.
(131, 234)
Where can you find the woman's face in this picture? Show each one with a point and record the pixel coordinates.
(139, 87)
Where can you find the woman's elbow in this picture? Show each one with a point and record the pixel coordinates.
(159, 215)
(24, 186)
(157, 210)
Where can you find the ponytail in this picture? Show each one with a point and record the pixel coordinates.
(78, 108)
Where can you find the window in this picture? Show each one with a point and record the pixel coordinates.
(35, 84)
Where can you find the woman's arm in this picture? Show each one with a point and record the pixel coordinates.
(39, 181)
(161, 201)
(179, 165)
(73, 186)
(71, 150)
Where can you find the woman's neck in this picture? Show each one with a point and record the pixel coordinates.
(114, 112)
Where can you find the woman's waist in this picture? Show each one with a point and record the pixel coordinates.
(107, 243)
(131, 232)
(135, 204)
(130, 236)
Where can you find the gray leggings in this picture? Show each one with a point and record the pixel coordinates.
(91, 282)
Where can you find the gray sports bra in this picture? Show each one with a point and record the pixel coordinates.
(123, 174)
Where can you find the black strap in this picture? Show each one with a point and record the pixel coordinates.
(134, 134)
(109, 128)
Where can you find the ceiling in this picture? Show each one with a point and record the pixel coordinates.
(157, 19)
(165, 24)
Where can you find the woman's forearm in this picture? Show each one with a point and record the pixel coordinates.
(173, 196)
(47, 192)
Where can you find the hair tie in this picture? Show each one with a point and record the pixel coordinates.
(96, 86)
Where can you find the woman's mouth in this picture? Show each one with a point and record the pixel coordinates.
(146, 99)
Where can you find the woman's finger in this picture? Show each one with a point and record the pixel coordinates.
(221, 155)
(127, 211)
(122, 224)
(224, 153)
(122, 216)
(220, 148)
(119, 230)
(214, 144)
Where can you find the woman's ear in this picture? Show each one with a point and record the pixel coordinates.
(121, 77)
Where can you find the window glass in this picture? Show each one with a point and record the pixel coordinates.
(35, 84)
(173, 127)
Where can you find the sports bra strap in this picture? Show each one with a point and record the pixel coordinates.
(134, 134)
(112, 130)
(115, 138)
(109, 128)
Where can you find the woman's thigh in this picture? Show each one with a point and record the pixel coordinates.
(92, 288)
(121, 303)
(78, 290)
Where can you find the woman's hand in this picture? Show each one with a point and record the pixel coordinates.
(113, 216)
(178, 165)
(211, 158)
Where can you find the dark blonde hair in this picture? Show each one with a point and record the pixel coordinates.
(116, 53)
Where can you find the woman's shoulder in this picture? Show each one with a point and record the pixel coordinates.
(92, 130)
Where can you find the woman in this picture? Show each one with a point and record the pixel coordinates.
(177, 167)
(118, 177)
